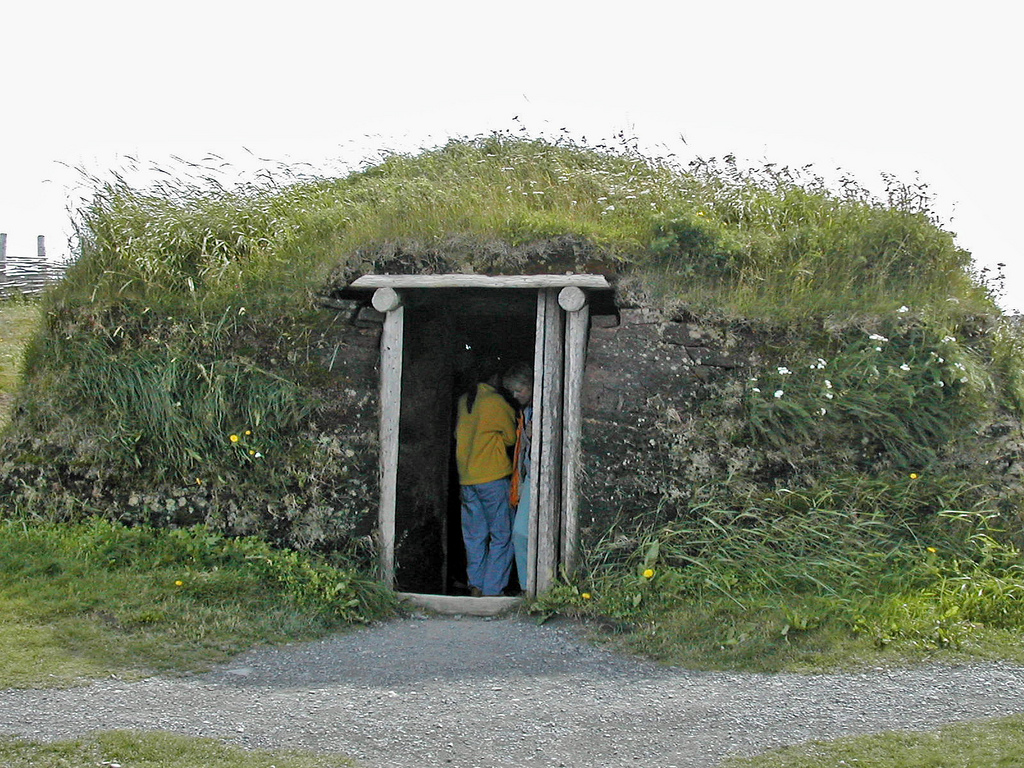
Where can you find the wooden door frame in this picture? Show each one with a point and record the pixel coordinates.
(560, 349)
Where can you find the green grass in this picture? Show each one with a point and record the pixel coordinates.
(94, 599)
(761, 242)
(18, 322)
(988, 744)
(855, 572)
(153, 750)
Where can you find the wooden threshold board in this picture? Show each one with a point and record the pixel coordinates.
(451, 605)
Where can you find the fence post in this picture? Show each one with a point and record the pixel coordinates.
(3, 253)
(41, 246)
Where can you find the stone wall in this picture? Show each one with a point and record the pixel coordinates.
(642, 369)
(319, 492)
(665, 425)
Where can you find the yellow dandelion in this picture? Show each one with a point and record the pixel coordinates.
(234, 438)
(199, 481)
(252, 452)
(248, 432)
(913, 475)
(933, 550)
(586, 595)
(179, 583)
(649, 573)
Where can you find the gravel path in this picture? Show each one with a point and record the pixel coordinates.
(496, 693)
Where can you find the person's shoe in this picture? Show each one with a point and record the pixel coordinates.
(476, 592)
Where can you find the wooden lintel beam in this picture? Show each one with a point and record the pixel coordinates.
(481, 281)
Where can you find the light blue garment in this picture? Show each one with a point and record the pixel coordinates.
(487, 533)
(521, 525)
(521, 531)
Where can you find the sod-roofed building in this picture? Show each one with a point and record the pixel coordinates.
(282, 359)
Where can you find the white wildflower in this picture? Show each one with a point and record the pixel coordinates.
(877, 337)
(828, 384)
(779, 393)
(904, 367)
(822, 411)
(948, 339)
(903, 309)
(755, 389)
(784, 371)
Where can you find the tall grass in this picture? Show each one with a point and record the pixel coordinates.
(761, 240)
(814, 577)
(167, 407)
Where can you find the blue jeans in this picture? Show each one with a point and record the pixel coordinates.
(487, 533)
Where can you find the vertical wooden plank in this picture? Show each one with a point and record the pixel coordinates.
(575, 356)
(549, 480)
(390, 410)
(535, 443)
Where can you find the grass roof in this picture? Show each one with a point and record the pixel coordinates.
(711, 234)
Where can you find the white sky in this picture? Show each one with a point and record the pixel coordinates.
(918, 89)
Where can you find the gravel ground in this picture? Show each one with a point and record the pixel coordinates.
(466, 692)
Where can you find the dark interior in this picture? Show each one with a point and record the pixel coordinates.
(443, 329)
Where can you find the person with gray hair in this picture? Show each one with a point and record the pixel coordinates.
(518, 382)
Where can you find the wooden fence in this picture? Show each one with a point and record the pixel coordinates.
(27, 275)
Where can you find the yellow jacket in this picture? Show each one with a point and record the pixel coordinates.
(482, 438)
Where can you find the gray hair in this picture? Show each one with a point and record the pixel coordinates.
(521, 373)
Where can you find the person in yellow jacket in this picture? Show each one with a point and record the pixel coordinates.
(485, 429)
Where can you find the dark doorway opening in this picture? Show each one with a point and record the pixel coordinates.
(443, 328)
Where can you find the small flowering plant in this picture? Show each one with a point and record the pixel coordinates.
(896, 393)
(247, 447)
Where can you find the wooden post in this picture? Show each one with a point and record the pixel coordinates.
(41, 246)
(538, 417)
(387, 300)
(574, 301)
(547, 478)
(3, 253)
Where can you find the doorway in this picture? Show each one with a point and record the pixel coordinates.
(444, 329)
(439, 318)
